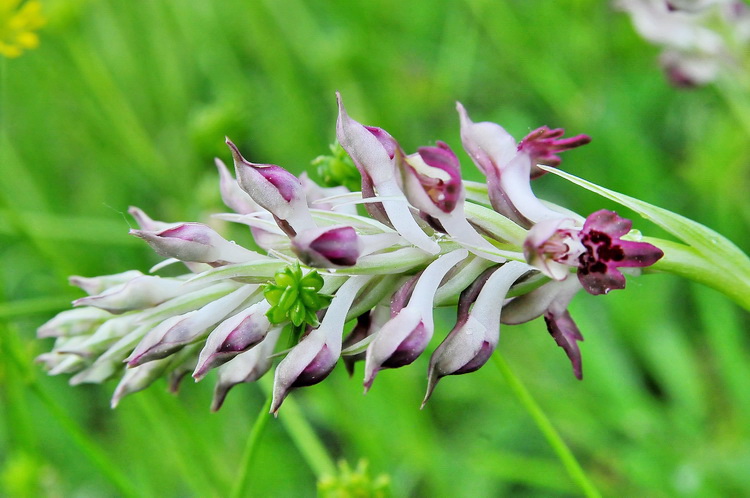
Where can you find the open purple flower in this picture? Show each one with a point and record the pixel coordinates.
(596, 249)
(509, 167)
(544, 145)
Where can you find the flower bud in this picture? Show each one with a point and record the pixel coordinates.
(310, 361)
(245, 367)
(103, 337)
(141, 292)
(373, 151)
(233, 196)
(139, 378)
(145, 222)
(233, 336)
(177, 331)
(73, 322)
(329, 247)
(276, 190)
(403, 338)
(195, 242)
(111, 361)
(471, 342)
(97, 285)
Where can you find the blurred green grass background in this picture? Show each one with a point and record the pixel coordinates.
(127, 103)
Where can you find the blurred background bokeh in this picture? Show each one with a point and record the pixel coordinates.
(128, 102)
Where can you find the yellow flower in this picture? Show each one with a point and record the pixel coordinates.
(17, 25)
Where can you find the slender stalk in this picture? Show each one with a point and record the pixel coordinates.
(568, 460)
(302, 434)
(241, 485)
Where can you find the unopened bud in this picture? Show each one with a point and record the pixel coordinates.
(177, 331)
(232, 337)
(329, 247)
(141, 292)
(245, 367)
(195, 242)
(274, 189)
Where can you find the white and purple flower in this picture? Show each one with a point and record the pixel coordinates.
(596, 250)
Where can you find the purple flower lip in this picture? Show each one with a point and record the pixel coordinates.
(565, 332)
(597, 250)
(606, 251)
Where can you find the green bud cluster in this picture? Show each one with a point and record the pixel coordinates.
(296, 297)
(354, 483)
(337, 169)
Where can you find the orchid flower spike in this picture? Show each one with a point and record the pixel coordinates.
(429, 239)
(701, 39)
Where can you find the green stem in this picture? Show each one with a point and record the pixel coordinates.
(302, 434)
(687, 262)
(568, 460)
(241, 486)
